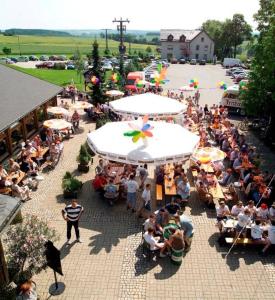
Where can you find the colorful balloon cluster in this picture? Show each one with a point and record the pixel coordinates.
(159, 76)
(140, 132)
(94, 80)
(194, 83)
(222, 85)
(115, 77)
(139, 83)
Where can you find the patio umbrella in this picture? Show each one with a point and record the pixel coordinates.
(81, 105)
(57, 111)
(114, 93)
(169, 143)
(148, 104)
(208, 154)
(58, 124)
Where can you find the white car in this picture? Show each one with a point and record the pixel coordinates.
(107, 67)
(229, 71)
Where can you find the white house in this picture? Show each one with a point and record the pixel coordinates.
(178, 43)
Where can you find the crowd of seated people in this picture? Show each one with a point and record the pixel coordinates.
(169, 232)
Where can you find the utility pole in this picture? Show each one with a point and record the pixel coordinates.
(106, 38)
(121, 28)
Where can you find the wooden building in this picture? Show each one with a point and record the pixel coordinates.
(23, 107)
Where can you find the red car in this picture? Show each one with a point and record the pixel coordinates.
(45, 65)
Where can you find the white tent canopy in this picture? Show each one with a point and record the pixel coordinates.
(148, 104)
(170, 143)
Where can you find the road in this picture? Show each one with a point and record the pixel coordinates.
(208, 77)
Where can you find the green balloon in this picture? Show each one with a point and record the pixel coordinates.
(131, 133)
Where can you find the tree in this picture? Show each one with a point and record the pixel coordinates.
(79, 64)
(239, 30)
(259, 98)
(148, 49)
(6, 51)
(25, 246)
(98, 73)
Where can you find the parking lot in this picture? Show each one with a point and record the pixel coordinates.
(208, 77)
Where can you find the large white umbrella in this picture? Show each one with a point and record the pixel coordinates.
(81, 105)
(58, 124)
(57, 111)
(148, 104)
(114, 93)
(169, 143)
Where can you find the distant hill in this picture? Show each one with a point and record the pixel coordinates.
(40, 32)
(97, 32)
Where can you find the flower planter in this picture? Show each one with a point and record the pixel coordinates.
(69, 195)
(83, 168)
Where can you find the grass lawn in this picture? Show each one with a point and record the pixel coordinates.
(58, 77)
(59, 45)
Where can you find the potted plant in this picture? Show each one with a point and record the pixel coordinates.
(70, 186)
(25, 247)
(83, 159)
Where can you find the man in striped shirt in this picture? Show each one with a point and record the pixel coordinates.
(72, 213)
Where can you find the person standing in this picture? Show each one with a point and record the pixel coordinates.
(72, 213)
(146, 201)
(132, 187)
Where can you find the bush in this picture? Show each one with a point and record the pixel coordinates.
(59, 66)
(25, 247)
(70, 183)
(84, 157)
(102, 121)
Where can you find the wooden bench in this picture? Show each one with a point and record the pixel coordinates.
(240, 241)
(5, 191)
(159, 192)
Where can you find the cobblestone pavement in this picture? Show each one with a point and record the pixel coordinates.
(109, 263)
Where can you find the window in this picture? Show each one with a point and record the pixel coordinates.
(30, 124)
(182, 38)
(170, 48)
(205, 56)
(170, 38)
(16, 135)
(197, 56)
(198, 47)
(202, 39)
(205, 47)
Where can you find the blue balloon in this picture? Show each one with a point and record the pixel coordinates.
(145, 127)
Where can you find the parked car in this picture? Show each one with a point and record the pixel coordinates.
(182, 61)
(43, 58)
(108, 66)
(229, 71)
(6, 60)
(61, 57)
(33, 58)
(193, 61)
(45, 65)
(70, 67)
(23, 58)
(53, 57)
(174, 61)
(14, 59)
(202, 62)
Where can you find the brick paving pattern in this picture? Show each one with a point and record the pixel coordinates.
(109, 263)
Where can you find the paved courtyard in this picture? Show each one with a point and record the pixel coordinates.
(109, 263)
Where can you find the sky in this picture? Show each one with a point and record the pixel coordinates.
(143, 14)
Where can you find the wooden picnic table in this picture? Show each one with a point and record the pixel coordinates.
(116, 172)
(216, 190)
(169, 184)
(20, 176)
(43, 151)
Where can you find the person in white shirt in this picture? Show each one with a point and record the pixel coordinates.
(252, 208)
(237, 209)
(151, 240)
(270, 238)
(271, 212)
(222, 213)
(243, 221)
(262, 212)
(22, 192)
(257, 232)
(146, 201)
(150, 223)
(132, 187)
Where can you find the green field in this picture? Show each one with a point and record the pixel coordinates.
(38, 45)
(58, 77)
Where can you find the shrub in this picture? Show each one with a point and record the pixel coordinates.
(25, 247)
(70, 183)
(84, 157)
(59, 66)
(102, 121)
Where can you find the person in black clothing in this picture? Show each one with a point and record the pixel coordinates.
(172, 207)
